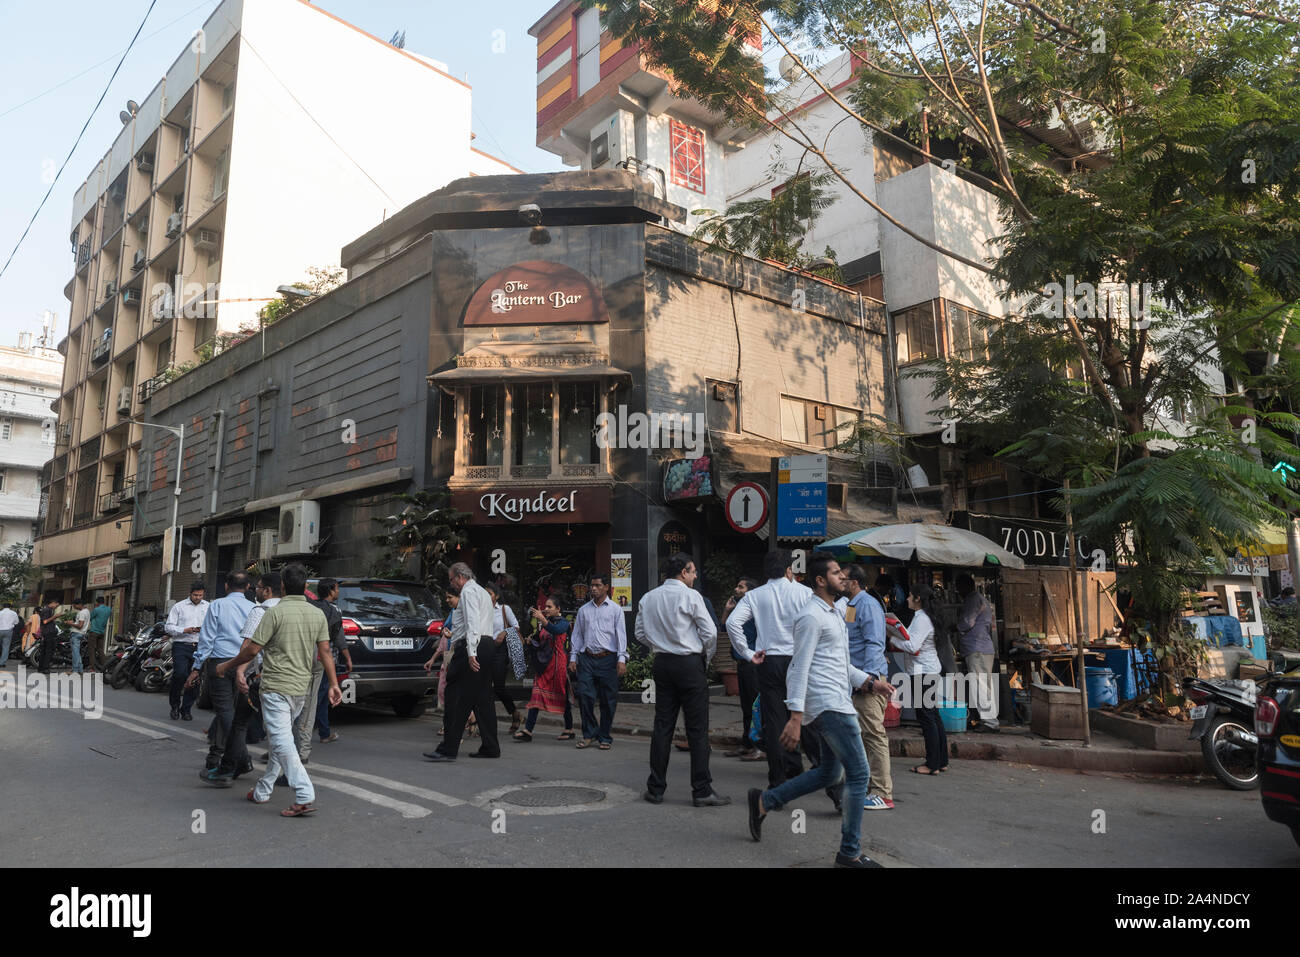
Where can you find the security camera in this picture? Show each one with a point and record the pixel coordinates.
(531, 214)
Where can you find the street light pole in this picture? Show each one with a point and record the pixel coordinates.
(179, 432)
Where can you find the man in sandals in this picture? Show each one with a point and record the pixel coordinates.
(290, 637)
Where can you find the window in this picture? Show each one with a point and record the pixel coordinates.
(47, 432)
(794, 421)
(486, 406)
(917, 332)
(227, 99)
(970, 333)
(3, 476)
(686, 145)
(219, 170)
(532, 408)
(6, 428)
(579, 406)
(588, 52)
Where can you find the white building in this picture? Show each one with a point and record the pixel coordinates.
(30, 375)
(279, 134)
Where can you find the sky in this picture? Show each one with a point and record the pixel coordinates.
(56, 57)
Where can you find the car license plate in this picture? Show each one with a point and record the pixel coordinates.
(394, 644)
(1198, 711)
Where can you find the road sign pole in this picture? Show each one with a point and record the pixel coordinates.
(773, 488)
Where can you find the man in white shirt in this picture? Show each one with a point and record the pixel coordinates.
(673, 621)
(821, 680)
(469, 675)
(184, 622)
(77, 634)
(773, 608)
(8, 623)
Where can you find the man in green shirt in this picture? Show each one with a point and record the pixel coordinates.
(290, 637)
(98, 626)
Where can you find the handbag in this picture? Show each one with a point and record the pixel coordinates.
(540, 653)
(515, 648)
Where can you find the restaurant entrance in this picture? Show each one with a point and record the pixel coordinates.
(530, 570)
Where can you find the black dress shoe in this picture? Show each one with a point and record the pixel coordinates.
(756, 814)
(713, 800)
(176, 714)
(186, 716)
(842, 860)
(437, 756)
(481, 754)
(244, 768)
(653, 798)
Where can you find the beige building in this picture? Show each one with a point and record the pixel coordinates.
(279, 133)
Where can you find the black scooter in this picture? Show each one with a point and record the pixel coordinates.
(1223, 720)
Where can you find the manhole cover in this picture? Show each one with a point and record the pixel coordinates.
(552, 796)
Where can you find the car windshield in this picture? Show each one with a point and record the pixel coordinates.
(388, 600)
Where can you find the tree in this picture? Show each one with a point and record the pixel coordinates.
(18, 573)
(426, 532)
(320, 280)
(1175, 174)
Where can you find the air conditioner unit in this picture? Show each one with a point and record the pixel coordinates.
(142, 227)
(124, 400)
(139, 259)
(174, 224)
(614, 140)
(144, 162)
(110, 290)
(207, 239)
(299, 530)
(131, 297)
(261, 545)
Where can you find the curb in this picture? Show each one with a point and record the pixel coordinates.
(1065, 758)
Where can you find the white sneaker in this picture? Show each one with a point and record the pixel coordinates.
(875, 802)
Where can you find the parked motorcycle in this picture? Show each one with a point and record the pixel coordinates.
(60, 660)
(156, 671)
(1224, 722)
(133, 658)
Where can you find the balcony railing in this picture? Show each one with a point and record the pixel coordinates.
(149, 386)
(103, 347)
(112, 501)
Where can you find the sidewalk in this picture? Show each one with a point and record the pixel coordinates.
(1016, 744)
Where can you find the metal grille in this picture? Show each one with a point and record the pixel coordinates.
(552, 796)
(530, 471)
(579, 470)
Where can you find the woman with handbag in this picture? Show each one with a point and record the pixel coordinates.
(504, 623)
(550, 667)
(918, 640)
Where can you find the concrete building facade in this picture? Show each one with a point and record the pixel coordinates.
(278, 133)
(30, 376)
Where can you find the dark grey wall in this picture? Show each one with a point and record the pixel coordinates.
(360, 354)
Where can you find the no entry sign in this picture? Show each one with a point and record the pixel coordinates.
(747, 507)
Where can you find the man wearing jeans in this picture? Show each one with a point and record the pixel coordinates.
(183, 624)
(77, 635)
(98, 628)
(219, 640)
(819, 688)
(975, 630)
(8, 625)
(291, 636)
(599, 660)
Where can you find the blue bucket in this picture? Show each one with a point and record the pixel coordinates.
(1103, 689)
(953, 717)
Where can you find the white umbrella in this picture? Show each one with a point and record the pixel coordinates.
(934, 545)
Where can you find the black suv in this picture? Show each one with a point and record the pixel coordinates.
(392, 629)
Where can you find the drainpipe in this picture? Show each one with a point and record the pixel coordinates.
(216, 468)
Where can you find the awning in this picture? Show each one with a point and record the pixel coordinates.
(474, 374)
(934, 545)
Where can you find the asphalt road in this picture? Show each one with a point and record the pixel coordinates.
(124, 791)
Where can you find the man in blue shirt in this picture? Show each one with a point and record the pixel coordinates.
(219, 641)
(599, 660)
(865, 620)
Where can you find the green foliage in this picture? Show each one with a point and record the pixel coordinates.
(18, 573)
(427, 530)
(1281, 626)
(639, 664)
(320, 280)
(722, 569)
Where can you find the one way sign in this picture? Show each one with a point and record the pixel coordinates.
(747, 507)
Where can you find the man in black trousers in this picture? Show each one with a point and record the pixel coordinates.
(469, 675)
(673, 621)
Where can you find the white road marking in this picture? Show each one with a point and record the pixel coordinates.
(399, 786)
(137, 728)
(406, 810)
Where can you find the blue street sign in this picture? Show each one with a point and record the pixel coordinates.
(801, 510)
